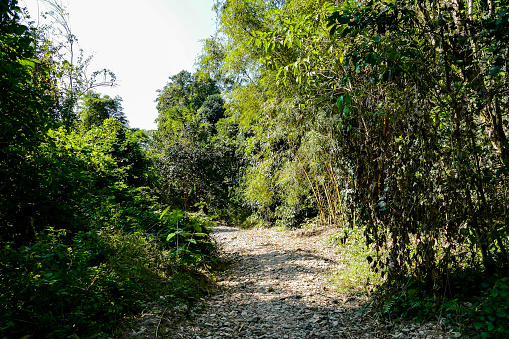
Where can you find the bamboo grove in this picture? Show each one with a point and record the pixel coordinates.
(385, 115)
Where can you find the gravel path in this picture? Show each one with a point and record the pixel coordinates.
(275, 288)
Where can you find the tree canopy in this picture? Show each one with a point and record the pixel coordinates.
(95, 109)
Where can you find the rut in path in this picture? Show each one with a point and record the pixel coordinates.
(275, 288)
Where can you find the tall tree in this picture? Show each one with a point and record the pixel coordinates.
(185, 91)
(71, 70)
(96, 108)
(27, 111)
(193, 166)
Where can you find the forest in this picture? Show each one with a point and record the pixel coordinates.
(388, 119)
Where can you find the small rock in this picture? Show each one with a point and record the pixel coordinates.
(315, 319)
(254, 319)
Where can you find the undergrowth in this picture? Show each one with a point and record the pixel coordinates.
(474, 304)
(84, 284)
(355, 276)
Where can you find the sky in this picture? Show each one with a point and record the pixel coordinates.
(142, 42)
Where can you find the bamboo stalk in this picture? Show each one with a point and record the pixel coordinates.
(318, 190)
(309, 180)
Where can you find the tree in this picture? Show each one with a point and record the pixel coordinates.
(194, 166)
(185, 90)
(95, 109)
(273, 120)
(27, 110)
(69, 63)
(212, 110)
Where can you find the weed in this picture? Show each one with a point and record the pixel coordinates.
(480, 309)
(85, 286)
(355, 276)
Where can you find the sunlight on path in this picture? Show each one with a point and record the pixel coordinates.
(275, 289)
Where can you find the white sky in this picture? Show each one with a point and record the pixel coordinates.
(142, 42)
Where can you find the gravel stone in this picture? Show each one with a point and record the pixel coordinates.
(275, 288)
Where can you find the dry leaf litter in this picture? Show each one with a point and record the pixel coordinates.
(275, 288)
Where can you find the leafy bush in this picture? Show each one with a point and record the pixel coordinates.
(186, 236)
(86, 284)
(113, 252)
(56, 287)
(490, 316)
(479, 306)
(355, 276)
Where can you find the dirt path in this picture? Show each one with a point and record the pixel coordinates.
(275, 288)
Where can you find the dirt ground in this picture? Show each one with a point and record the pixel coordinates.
(275, 287)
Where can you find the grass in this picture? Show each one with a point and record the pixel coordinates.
(355, 277)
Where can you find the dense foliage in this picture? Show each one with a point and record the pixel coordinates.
(197, 164)
(388, 116)
(84, 239)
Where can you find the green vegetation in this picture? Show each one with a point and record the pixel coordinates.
(355, 276)
(388, 119)
(85, 239)
(197, 161)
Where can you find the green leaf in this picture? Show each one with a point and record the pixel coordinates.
(333, 30)
(348, 99)
(346, 110)
(494, 69)
(164, 212)
(501, 313)
(339, 102)
(171, 235)
(27, 63)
